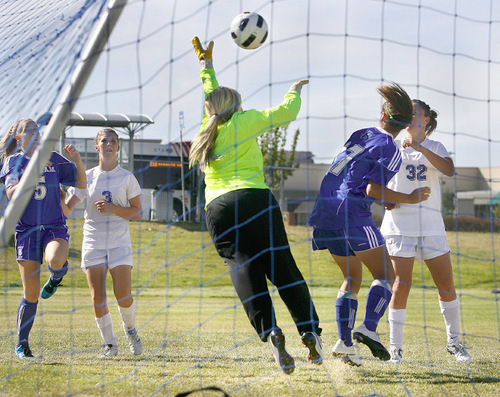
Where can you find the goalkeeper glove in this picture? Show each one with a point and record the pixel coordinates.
(297, 86)
(204, 55)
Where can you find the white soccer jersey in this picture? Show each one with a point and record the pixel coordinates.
(106, 230)
(422, 219)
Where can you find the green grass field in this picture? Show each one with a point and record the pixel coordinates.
(196, 334)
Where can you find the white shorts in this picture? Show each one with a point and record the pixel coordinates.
(422, 248)
(109, 258)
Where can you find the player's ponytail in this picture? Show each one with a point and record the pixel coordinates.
(397, 107)
(8, 143)
(431, 113)
(220, 105)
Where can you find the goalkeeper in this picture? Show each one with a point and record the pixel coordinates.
(242, 215)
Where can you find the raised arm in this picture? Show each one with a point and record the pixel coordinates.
(74, 155)
(443, 164)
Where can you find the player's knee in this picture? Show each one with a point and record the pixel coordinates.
(401, 288)
(57, 262)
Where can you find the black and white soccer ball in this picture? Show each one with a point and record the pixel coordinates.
(249, 30)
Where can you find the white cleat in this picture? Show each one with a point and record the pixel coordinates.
(396, 355)
(346, 353)
(109, 351)
(372, 340)
(458, 350)
(134, 342)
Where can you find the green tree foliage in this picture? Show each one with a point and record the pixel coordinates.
(278, 163)
(497, 211)
(448, 203)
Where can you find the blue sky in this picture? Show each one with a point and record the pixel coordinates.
(345, 48)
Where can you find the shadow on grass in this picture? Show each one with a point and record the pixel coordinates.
(434, 378)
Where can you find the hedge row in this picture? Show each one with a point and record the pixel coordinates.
(462, 223)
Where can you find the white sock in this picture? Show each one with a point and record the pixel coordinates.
(128, 317)
(397, 318)
(105, 325)
(451, 316)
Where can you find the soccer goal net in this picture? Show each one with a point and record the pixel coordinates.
(193, 327)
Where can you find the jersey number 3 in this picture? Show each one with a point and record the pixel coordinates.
(107, 196)
(344, 158)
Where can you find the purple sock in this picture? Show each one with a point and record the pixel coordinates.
(25, 318)
(346, 315)
(376, 304)
(58, 274)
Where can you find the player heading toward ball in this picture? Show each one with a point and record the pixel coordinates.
(342, 220)
(242, 215)
(415, 229)
(41, 231)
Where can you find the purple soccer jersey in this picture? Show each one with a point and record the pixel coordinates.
(45, 205)
(342, 202)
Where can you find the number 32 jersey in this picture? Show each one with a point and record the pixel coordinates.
(342, 202)
(45, 205)
(423, 219)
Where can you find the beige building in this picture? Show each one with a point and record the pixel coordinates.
(477, 191)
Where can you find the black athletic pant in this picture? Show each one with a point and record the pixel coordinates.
(248, 232)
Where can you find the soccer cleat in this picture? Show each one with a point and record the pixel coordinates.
(396, 355)
(134, 342)
(50, 288)
(372, 340)
(23, 352)
(109, 351)
(312, 341)
(458, 350)
(346, 353)
(276, 341)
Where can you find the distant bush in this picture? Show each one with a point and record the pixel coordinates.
(471, 224)
(465, 223)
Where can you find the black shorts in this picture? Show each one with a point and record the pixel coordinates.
(246, 221)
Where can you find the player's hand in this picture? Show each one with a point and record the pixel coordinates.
(72, 153)
(419, 195)
(410, 142)
(204, 54)
(103, 206)
(391, 206)
(63, 195)
(297, 86)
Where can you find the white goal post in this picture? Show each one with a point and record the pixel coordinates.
(58, 121)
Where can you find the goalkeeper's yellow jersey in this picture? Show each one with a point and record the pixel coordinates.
(238, 162)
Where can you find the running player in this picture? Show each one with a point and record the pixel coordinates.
(41, 231)
(242, 215)
(114, 197)
(410, 229)
(342, 221)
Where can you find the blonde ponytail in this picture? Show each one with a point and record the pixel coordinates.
(203, 144)
(220, 105)
(8, 142)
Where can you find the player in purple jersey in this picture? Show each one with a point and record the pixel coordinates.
(342, 221)
(41, 230)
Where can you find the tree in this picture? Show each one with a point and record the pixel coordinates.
(279, 164)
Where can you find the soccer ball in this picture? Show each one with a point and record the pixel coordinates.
(249, 30)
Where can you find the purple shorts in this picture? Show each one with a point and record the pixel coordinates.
(31, 243)
(346, 242)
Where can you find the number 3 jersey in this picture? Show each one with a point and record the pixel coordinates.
(342, 202)
(44, 207)
(423, 219)
(104, 230)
